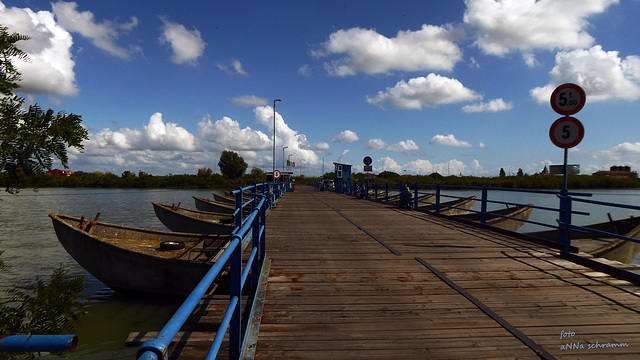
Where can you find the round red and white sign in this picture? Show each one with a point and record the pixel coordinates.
(568, 99)
(367, 160)
(277, 174)
(566, 132)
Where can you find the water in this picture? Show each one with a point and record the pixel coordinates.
(32, 249)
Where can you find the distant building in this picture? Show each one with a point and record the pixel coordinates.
(545, 171)
(618, 172)
(57, 172)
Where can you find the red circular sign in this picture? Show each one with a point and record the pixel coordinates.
(568, 99)
(277, 174)
(367, 160)
(566, 132)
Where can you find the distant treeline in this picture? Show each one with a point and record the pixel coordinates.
(515, 182)
(206, 179)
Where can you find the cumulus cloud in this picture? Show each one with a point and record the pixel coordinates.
(346, 136)
(495, 105)
(103, 35)
(50, 70)
(430, 91)
(187, 46)
(249, 101)
(450, 140)
(430, 48)
(226, 134)
(602, 74)
(304, 70)
(527, 25)
(379, 144)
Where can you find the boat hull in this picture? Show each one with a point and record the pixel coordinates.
(511, 223)
(193, 221)
(203, 204)
(451, 208)
(131, 260)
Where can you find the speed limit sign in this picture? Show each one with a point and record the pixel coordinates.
(568, 99)
(277, 174)
(566, 132)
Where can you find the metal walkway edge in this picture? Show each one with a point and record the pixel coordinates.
(335, 292)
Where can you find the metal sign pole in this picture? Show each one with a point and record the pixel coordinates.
(566, 170)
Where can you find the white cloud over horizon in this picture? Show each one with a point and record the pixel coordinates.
(450, 140)
(366, 51)
(431, 91)
(346, 136)
(187, 46)
(495, 105)
(401, 146)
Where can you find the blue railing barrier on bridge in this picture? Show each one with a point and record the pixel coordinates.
(263, 196)
(387, 192)
(38, 343)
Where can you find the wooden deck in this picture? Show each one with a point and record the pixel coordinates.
(335, 292)
(355, 279)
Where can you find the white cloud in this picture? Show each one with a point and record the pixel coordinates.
(226, 134)
(430, 91)
(627, 148)
(450, 140)
(388, 164)
(187, 46)
(379, 144)
(235, 69)
(430, 48)
(492, 106)
(103, 35)
(602, 74)
(50, 70)
(342, 155)
(346, 136)
(304, 70)
(249, 101)
(527, 25)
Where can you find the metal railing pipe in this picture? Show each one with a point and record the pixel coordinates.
(38, 343)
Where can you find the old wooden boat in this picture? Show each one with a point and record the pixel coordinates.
(495, 218)
(203, 204)
(193, 221)
(224, 199)
(140, 261)
(453, 207)
(600, 245)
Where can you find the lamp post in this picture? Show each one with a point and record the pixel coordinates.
(273, 170)
(283, 157)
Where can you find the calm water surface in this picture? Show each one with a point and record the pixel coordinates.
(32, 249)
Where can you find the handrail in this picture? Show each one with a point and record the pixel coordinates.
(38, 343)
(254, 224)
(564, 209)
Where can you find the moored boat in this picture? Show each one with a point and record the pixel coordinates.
(453, 207)
(193, 221)
(203, 204)
(507, 219)
(141, 261)
(601, 246)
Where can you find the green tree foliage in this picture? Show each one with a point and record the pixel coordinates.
(29, 140)
(502, 173)
(520, 173)
(232, 165)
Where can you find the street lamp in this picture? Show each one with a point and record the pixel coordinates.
(273, 170)
(283, 157)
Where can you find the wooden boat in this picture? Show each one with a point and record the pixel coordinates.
(193, 221)
(203, 204)
(224, 199)
(601, 246)
(141, 261)
(454, 207)
(492, 218)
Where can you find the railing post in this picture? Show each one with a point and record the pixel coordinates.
(437, 198)
(415, 197)
(375, 191)
(255, 242)
(483, 205)
(386, 195)
(239, 209)
(235, 281)
(565, 221)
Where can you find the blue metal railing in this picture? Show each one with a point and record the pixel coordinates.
(38, 343)
(263, 196)
(387, 192)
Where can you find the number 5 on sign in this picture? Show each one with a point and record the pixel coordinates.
(566, 132)
(568, 99)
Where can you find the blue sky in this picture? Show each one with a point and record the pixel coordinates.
(455, 87)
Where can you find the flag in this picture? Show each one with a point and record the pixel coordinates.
(294, 164)
(288, 162)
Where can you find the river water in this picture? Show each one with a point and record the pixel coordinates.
(32, 249)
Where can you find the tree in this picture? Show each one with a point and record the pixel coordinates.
(520, 173)
(30, 139)
(232, 165)
(502, 173)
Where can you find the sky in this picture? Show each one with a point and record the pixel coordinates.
(454, 87)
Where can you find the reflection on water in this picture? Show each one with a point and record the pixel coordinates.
(32, 249)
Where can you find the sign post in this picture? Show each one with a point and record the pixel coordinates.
(367, 167)
(567, 132)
